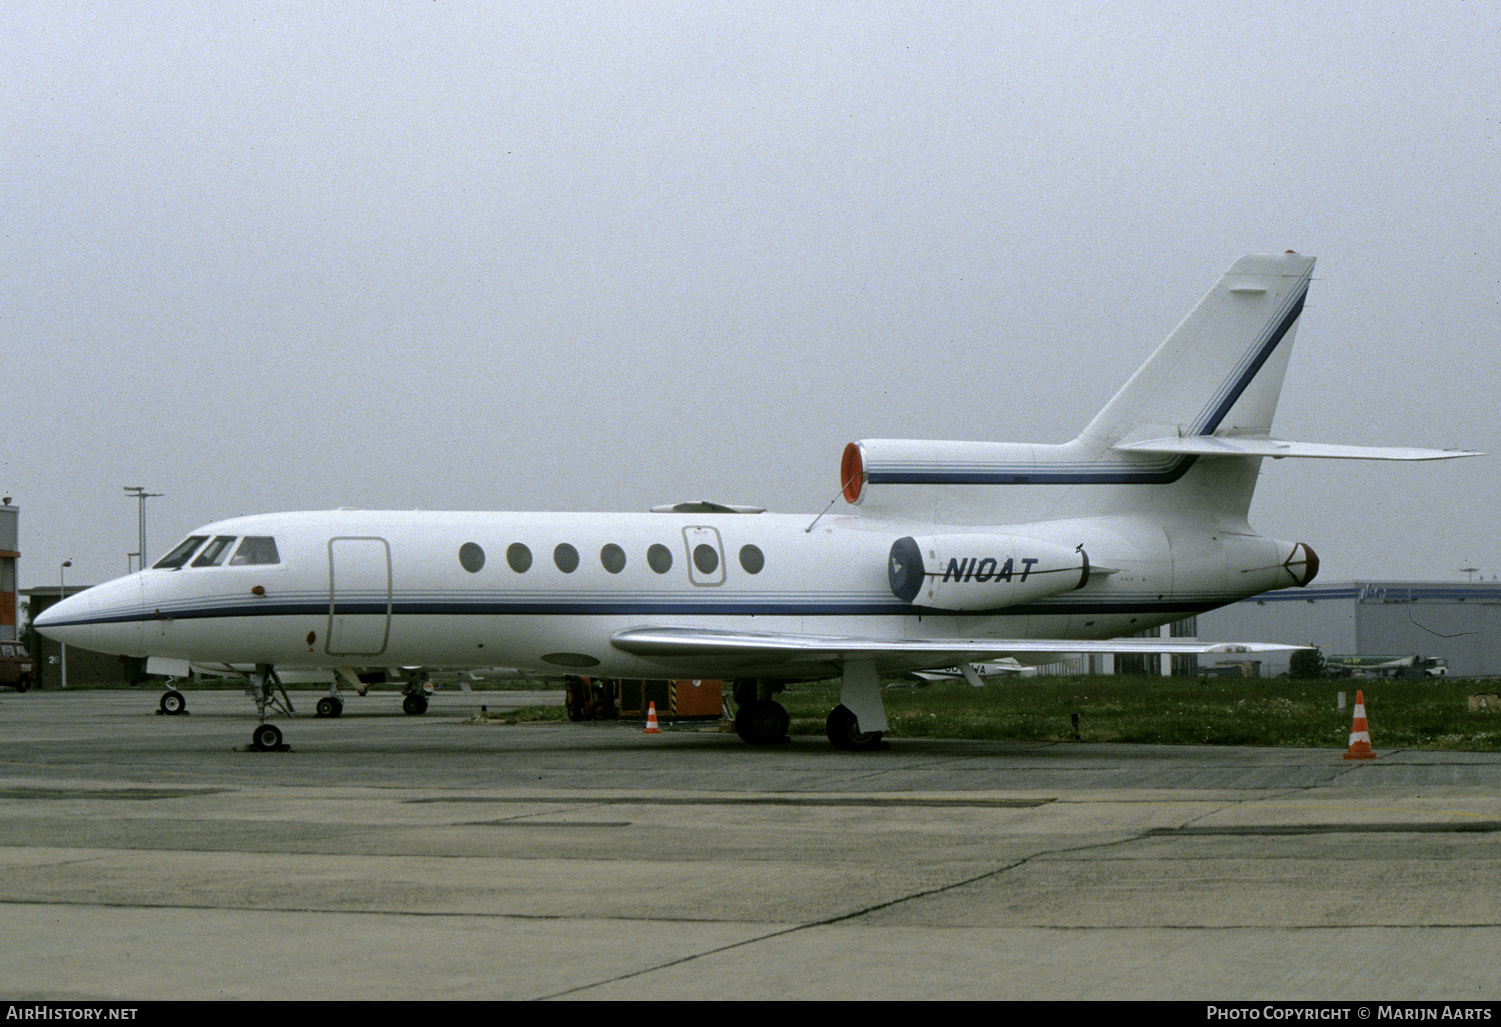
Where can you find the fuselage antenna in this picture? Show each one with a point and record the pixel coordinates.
(809, 528)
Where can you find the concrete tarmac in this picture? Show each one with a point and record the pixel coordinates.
(389, 857)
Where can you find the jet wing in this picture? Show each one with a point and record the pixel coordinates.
(739, 650)
(1238, 446)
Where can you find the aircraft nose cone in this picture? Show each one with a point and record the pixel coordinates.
(103, 618)
(56, 617)
(63, 621)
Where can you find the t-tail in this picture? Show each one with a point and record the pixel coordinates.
(1184, 436)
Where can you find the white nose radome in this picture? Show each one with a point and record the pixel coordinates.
(106, 618)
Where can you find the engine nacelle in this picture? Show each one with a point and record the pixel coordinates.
(940, 462)
(982, 572)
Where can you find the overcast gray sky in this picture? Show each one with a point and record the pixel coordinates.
(454, 255)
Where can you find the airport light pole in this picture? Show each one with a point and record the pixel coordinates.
(142, 495)
(61, 595)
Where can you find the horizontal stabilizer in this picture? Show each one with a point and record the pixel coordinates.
(1277, 449)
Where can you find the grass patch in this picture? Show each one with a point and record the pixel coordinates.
(1176, 711)
(530, 715)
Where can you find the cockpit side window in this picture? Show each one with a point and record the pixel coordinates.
(255, 549)
(215, 551)
(179, 556)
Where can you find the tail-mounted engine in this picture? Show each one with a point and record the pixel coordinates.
(982, 572)
(939, 462)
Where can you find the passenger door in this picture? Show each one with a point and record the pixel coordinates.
(359, 596)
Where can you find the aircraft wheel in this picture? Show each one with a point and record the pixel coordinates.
(761, 722)
(266, 738)
(173, 702)
(330, 706)
(844, 731)
(414, 705)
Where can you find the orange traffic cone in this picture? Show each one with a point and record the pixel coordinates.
(651, 721)
(1360, 735)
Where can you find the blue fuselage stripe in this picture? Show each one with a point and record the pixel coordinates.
(562, 607)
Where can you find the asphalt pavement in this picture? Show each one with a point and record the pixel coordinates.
(392, 857)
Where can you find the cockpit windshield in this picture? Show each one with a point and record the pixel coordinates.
(253, 550)
(179, 556)
(256, 549)
(215, 551)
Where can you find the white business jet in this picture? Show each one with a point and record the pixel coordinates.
(948, 553)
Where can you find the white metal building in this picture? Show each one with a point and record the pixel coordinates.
(1460, 622)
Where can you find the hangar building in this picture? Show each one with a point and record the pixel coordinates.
(1460, 622)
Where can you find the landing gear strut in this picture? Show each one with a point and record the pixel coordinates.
(269, 695)
(859, 721)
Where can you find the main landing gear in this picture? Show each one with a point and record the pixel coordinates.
(173, 703)
(759, 720)
(857, 724)
(844, 732)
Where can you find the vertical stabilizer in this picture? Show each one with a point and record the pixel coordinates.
(1218, 374)
(1220, 371)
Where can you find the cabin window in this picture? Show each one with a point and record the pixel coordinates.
(471, 557)
(179, 556)
(215, 552)
(752, 559)
(256, 549)
(519, 557)
(613, 558)
(659, 558)
(705, 558)
(566, 558)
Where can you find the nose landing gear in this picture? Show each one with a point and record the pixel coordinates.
(266, 738)
(269, 695)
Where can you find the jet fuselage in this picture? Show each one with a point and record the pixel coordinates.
(549, 591)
